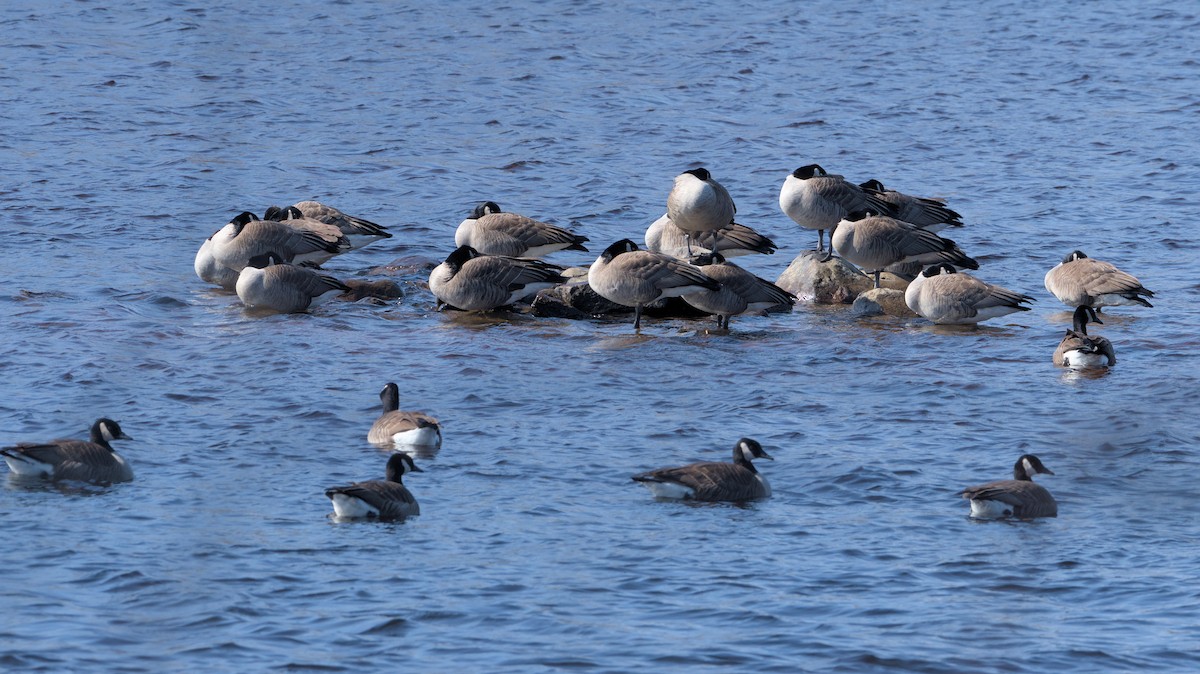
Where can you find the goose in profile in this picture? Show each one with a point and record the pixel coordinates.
(1019, 497)
(946, 296)
(1080, 351)
(697, 203)
(1080, 280)
(358, 232)
(211, 271)
(663, 236)
(634, 278)
(494, 232)
(267, 282)
(386, 499)
(91, 460)
(740, 290)
(471, 281)
(397, 428)
(875, 241)
(246, 236)
(712, 480)
(818, 200)
(924, 212)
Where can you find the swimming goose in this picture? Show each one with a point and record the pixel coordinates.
(1019, 497)
(494, 232)
(1078, 350)
(471, 281)
(386, 499)
(1080, 280)
(87, 461)
(634, 278)
(697, 203)
(944, 295)
(399, 428)
(246, 236)
(875, 241)
(358, 232)
(712, 480)
(267, 282)
(211, 271)
(929, 214)
(740, 290)
(818, 200)
(663, 236)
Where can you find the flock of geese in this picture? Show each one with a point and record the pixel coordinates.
(273, 263)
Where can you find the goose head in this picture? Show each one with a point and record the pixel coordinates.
(809, 171)
(399, 465)
(485, 208)
(622, 246)
(1029, 465)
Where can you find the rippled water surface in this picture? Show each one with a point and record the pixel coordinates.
(130, 132)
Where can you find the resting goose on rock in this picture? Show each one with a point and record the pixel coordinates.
(1080, 280)
(712, 480)
(663, 236)
(358, 232)
(1019, 497)
(397, 428)
(946, 296)
(267, 282)
(698, 203)
(1078, 350)
(740, 290)
(494, 232)
(471, 281)
(386, 499)
(928, 214)
(634, 278)
(91, 460)
(246, 236)
(875, 241)
(818, 200)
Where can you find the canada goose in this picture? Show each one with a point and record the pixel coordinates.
(246, 236)
(1019, 497)
(929, 214)
(1079, 350)
(944, 295)
(634, 278)
(400, 428)
(292, 217)
(470, 281)
(875, 241)
(86, 461)
(1081, 280)
(740, 290)
(663, 236)
(712, 480)
(494, 232)
(697, 203)
(386, 499)
(267, 282)
(818, 200)
(211, 271)
(358, 231)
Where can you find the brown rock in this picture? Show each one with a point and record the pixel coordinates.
(887, 301)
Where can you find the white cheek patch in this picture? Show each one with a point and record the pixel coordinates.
(1029, 469)
(106, 432)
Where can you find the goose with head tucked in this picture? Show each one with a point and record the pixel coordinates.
(712, 480)
(471, 281)
(292, 217)
(397, 428)
(663, 236)
(634, 278)
(358, 232)
(924, 212)
(494, 232)
(875, 241)
(946, 296)
(818, 200)
(386, 499)
(268, 282)
(1019, 497)
(92, 460)
(1080, 280)
(698, 203)
(211, 271)
(1080, 351)
(246, 236)
(740, 291)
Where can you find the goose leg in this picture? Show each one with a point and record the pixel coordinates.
(877, 278)
(637, 319)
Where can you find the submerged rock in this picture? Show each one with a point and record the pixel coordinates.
(882, 301)
(382, 289)
(834, 281)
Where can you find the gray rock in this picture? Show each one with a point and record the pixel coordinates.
(382, 289)
(882, 301)
(834, 281)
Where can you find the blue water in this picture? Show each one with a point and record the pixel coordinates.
(130, 132)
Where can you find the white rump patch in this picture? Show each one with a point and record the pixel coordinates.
(423, 437)
(349, 506)
(990, 510)
(26, 467)
(669, 490)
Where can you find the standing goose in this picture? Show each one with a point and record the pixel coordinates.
(663, 236)
(635, 278)
(246, 236)
(358, 231)
(874, 241)
(712, 480)
(386, 499)
(397, 428)
(1019, 497)
(86, 461)
(697, 203)
(470, 281)
(494, 232)
(267, 282)
(943, 295)
(740, 290)
(929, 214)
(1081, 280)
(1078, 350)
(818, 200)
